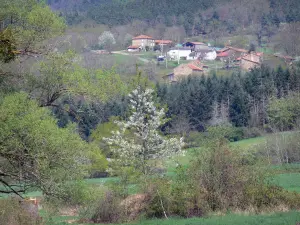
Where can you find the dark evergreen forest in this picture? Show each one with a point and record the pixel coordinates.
(195, 15)
(198, 102)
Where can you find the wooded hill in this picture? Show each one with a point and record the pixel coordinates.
(193, 15)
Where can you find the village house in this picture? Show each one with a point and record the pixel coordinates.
(185, 70)
(251, 61)
(206, 54)
(230, 53)
(184, 53)
(143, 41)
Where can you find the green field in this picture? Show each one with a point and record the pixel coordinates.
(289, 181)
(290, 218)
(283, 218)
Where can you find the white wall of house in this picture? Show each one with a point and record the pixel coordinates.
(211, 56)
(175, 53)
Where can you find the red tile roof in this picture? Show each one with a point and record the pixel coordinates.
(233, 48)
(163, 42)
(222, 54)
(237, 49)
(193, 67)
(142, 37)
(223, 49)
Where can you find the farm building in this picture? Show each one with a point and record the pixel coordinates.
(206, 54)
(251, 61)
(231, 52)
(185, 70)
(143, 41)
(181, 53)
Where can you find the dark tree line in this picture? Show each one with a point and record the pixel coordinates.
(239, 99)
(198, 102)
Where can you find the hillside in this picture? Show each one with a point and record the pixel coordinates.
(267, 21)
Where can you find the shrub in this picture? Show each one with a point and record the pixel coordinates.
(252, 132)
(229, 179)
(15, 211)
(173, 196)
(108, 209)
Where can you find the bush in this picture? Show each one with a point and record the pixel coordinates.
(76, 193)
(174, 196)
(251, 132)
(228, 179)
(108, 209)
(15, 211)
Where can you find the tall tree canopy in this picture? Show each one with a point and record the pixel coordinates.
(35, 152)
(24, 25)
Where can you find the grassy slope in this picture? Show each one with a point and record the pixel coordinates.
(283, 218)
(289, 218)
(289, 181)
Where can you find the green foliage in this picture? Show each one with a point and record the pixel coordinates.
(35, 152)
(75, 193)
(28, 23)
(228, 178)
(7, 46)
(284, 113)
(102, 131)
(60, 74)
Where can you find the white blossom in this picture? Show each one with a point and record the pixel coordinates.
(107, 40)
(147, 143)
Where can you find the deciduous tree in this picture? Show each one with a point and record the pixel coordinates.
(146, 143)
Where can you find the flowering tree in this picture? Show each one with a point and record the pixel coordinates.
(145, 143)
(107, 40)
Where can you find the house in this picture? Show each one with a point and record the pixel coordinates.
(206, 54)
(163, 42)
(181, 53)
(231, 52)
(185, 70)
(251, 61)
(143, 41)
(194, 46)
(133, 48)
